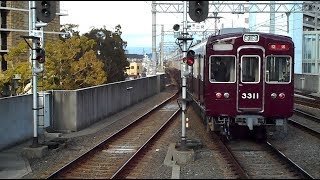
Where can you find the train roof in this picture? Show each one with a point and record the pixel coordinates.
(240, 34)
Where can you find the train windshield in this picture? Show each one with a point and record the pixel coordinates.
(222, 69)
(250, 69)
(278, 69)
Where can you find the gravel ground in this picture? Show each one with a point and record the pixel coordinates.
(302, 148)
(206, 165)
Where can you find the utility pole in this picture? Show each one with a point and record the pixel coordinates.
(216, 18)
(154, 53)
(288, 15)
(162, 48)
(272, 17)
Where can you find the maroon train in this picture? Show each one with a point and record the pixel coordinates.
(243, 80)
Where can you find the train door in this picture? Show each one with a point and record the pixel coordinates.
(250, 95)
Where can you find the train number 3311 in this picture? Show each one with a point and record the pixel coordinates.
(250, 95)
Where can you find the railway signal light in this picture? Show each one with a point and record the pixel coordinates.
(198, 10)
(45, 10)
(40, 55)
(176, 27)
(190, 57)
(176, 32)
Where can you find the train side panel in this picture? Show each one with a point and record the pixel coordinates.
(196, 79)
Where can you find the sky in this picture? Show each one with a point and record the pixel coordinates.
(135, 18)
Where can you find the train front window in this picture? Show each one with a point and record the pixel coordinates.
(278, 69)
(222, 69)
(250, 69)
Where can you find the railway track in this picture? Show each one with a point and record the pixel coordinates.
(112, 157)
(307, 94)
(312, 117)
(307, 100)
(311, 123)
(307, 127)
(259, 161)
(251, 160)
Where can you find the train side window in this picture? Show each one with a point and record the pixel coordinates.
(278, 69)
(250, 69)
(222, 69)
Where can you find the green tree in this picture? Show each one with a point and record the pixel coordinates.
(72, 64)
(19, 64)
(110, 49)
(70, 30)
(85, 70)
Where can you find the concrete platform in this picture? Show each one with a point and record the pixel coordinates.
(14, 163)
(177, 156)
(13, 166)
(170, 161)
(35, 152)
(315, 94)
(184, 156)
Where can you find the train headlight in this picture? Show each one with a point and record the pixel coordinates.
(218, 95)
(250, 37)
(282, 95)
(226, 95)
(273, 95)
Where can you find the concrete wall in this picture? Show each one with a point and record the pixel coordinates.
(307, 82)
(75, 110)
(16, 120)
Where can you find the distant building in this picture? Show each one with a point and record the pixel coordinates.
(311, 41)
(15, 23)
(140, 65)
(135, 69)
(307, 24)
(134, 57)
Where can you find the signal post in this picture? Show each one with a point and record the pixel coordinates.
(198, 11)
(40, 13)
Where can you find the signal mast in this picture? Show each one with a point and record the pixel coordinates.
(198, 11)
